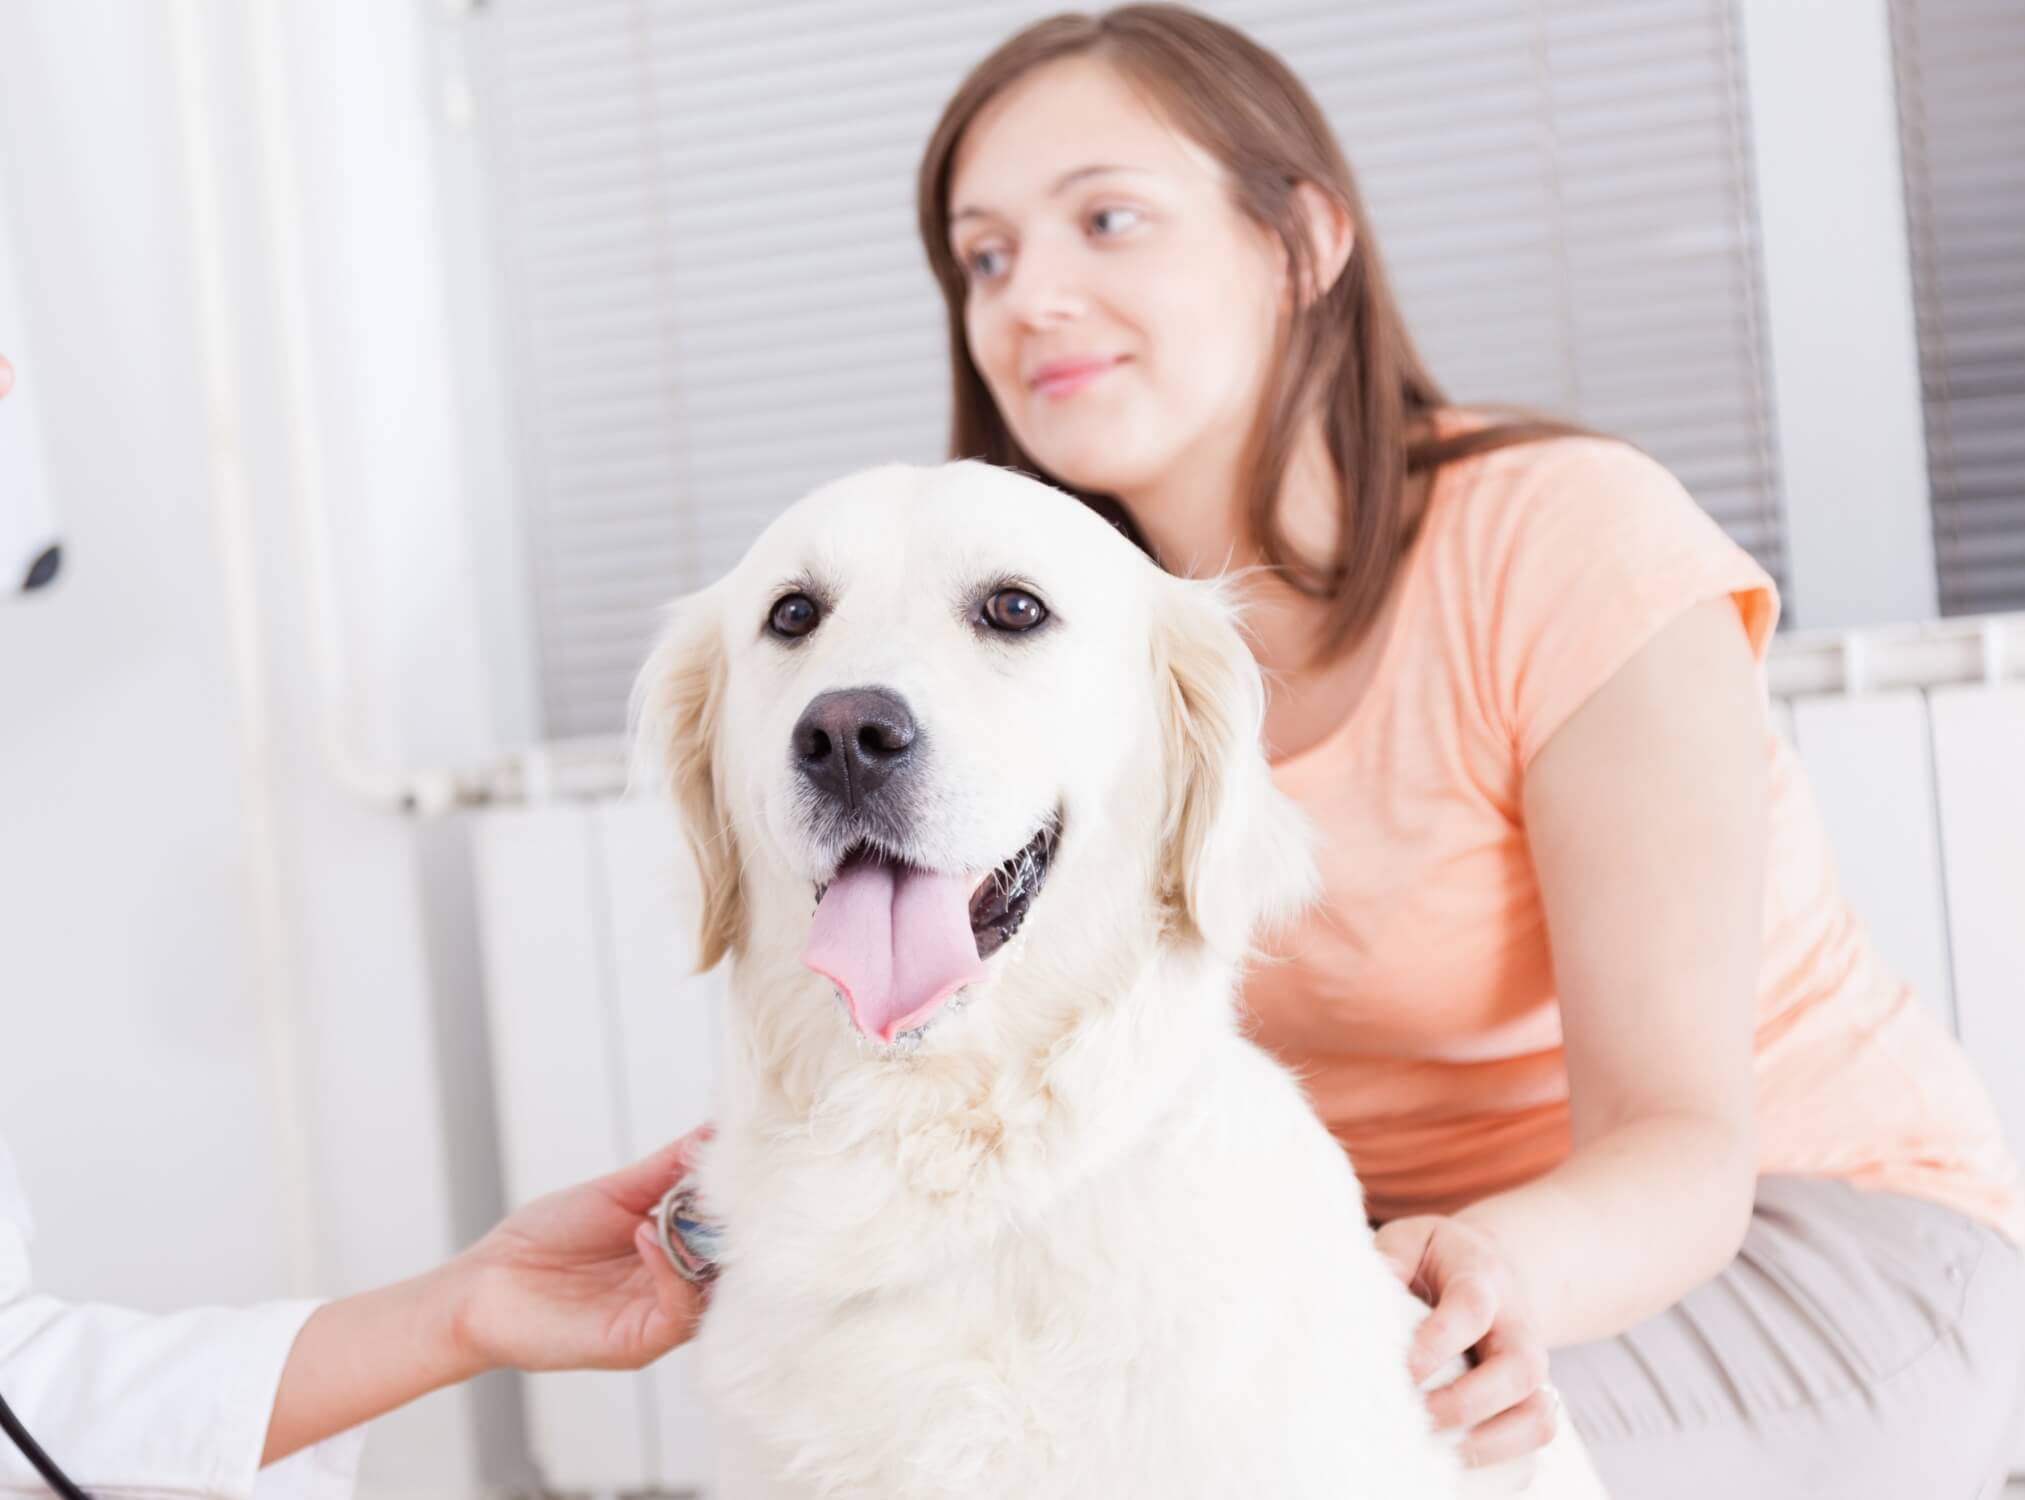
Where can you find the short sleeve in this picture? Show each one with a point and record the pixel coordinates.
(1587, 549)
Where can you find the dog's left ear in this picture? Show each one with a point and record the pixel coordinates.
(1236, 850)
(673, 722)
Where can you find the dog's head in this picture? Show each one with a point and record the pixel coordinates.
(942, 726)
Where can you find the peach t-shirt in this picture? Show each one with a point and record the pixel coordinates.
(1416, 1000)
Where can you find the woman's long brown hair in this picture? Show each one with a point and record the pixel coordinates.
(1347, 350)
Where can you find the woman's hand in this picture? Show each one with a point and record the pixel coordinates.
(1504, 1403)
(578, 1279)
(6, 376)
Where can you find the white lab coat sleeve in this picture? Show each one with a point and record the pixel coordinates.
(132, 1406)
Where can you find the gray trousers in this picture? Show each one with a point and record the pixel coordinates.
(1862, 1346)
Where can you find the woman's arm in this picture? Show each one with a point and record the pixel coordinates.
(1645, 815)
(364, 1356)
(575, 1280)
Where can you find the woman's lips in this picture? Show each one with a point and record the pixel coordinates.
(1065, 377)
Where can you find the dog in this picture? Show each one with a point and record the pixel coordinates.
(1007, 1204)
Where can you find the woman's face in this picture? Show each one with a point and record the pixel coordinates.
(1120, 308)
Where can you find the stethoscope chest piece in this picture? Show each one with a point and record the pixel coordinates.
(690, 1240)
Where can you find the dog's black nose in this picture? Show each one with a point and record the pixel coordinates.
(849, 743)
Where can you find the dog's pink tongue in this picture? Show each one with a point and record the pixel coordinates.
(896, 941)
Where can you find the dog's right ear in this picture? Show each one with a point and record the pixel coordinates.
(673, 718)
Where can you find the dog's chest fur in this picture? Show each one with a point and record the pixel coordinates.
(1184, 1324)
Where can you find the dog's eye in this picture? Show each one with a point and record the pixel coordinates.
(794, 616)
(1014, 610)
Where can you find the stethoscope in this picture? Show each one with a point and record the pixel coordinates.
(32, 1451)
(688, 1239)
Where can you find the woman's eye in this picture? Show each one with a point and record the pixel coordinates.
(1014, 611)
(1114, 220)
(985, 264)
(794, 616)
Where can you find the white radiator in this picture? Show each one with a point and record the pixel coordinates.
(603, 1047)
(604, 1044)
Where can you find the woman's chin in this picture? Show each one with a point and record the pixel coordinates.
(1099, 463)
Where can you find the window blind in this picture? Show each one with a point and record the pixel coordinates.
(716, 300)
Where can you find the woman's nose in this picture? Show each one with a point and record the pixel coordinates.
(1042, 295)
(1049, 307)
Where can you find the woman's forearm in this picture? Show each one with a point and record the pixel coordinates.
(1626, 1226)
(361, 1357)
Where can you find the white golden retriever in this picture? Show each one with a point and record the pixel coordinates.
(1009, 1207)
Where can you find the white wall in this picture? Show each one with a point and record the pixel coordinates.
(241, 1050)
(1839, 331)
(130, 1054)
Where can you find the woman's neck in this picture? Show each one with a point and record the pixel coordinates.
(1195, 519)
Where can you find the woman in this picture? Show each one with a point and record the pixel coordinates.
(1624, 1081)
(268, 1400)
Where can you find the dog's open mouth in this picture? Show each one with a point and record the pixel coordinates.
(899, 941)
(1003, 898)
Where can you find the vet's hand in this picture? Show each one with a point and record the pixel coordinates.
(1503, 1403)
(578, 1280)
(6, 376)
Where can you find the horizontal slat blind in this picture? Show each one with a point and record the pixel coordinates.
(1563, 196)
(717, 299)
(1961, 97)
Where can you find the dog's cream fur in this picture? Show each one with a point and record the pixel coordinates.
(1082, 1238)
